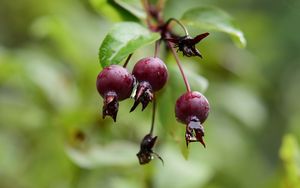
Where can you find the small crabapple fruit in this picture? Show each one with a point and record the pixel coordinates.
(114, 83)
(192, 109)
(152, 75)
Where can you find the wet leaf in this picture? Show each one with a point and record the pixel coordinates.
(119, 153)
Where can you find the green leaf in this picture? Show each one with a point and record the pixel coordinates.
(289, 148)
(108, 155)
(211, 18)
(103, 7)
(122, 40)
(133, 6)
(289, 154)
(111, 10)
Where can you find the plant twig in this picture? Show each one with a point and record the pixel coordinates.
(187, 85)
(179, 23)
(157, 45)
(153, 115)
(160, 5)
(127, 60)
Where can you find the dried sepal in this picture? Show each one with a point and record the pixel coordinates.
(144, 95)
(194, 132)
(146, 154)
(110, 105)
(187, 44)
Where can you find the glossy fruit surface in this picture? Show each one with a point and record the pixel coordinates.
(115, 78)
(152, 70)
(191, 104)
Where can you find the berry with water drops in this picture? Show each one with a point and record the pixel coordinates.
(114, 83)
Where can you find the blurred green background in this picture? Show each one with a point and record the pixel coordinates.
(52, 133)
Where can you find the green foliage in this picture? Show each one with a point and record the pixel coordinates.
(211, 18)
(290, 155)
(48, 67)
(100, 156)
(122, 40)
(111, 10)
(133, 6)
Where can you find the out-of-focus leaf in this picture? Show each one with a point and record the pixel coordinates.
(188, 173)
(289, 154)
(45, 73)
(196, 81)
(120, 153)
(110, 9)
(289, 148)
(211, 18)
(103, 7)
(241, 103)
(133, 6)
(122, 40)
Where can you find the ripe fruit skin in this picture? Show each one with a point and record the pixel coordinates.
(152, 70)
(114, 84)
(191, 104)
(115, 78)
(152, 75)
(192, 109)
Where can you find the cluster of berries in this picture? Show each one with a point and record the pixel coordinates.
(115, 83)
(149, 75)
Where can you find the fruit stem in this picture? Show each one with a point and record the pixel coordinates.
(187, 85)
(160, 5)
(153, 115)
(127, 60)
(157, 45)
(179, 23)
(146, 6)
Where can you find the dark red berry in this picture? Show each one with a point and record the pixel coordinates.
(152, 70)
(114, 84)
(152, 75)
(192, 109)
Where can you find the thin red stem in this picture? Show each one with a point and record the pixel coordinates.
(157, 45)
(127, 60)
(153, 115)
(146, 6)
(187, 85)
(160, 5)
(166, 33)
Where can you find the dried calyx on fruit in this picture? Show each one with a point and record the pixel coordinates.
(152, 75)
(192, 109)
(145, 155)
(186, 44)
(114, 84)
(144, 95)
